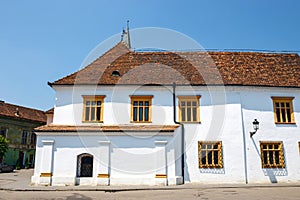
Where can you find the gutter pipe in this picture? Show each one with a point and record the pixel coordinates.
(182, 132)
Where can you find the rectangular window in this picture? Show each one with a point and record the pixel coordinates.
(32, 138)
(189, 109)
(283, 110)
(141, 108)
(210, 154)
(24, 137)
(3, 131)
(93, 108)
(272, 155)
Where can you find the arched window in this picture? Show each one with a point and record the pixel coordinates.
(84, 165)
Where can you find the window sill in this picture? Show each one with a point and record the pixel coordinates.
(273, 167)
(94, 122)
(140, 122)
(190, 122)
(282, 123)
(210, 167)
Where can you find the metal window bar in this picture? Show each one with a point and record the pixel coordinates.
(210, 155)
(272, 155)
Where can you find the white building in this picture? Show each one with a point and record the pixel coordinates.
(174, 117)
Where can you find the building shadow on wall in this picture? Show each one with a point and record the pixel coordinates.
(272, 173)
(185, 166)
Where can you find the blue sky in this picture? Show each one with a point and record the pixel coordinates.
(43, 41)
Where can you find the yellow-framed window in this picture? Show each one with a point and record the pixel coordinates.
(189, 109)
(93, 108)
(141, 109)
(210, 154)
(283, 110)
(272, 155)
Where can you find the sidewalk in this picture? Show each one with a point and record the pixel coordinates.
(19, 180)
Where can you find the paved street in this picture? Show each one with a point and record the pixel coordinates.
(280, 193)
(17, 186)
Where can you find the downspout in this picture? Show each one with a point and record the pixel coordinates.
(182, 131)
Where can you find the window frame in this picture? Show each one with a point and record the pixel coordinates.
(280, 154)
(32, 138)
(93, 98)
(80, 164)
(283, 100)
(189, 98)
(24, 138)
(140, 98)
(219, 165)
(5, 129)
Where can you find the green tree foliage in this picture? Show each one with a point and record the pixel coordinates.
(3, 146)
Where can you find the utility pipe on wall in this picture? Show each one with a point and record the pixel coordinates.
(182, 132)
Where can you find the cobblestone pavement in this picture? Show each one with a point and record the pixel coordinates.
(17, 186)
(274, 193)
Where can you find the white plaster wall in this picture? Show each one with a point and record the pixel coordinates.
(230, 123)
(132, 158)
(229, 131)
(69, 104)
(257, 104)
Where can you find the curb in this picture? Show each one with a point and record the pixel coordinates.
(113, 190)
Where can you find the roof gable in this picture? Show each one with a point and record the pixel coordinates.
(91, 73)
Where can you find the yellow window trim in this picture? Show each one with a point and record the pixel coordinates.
(281, 154)
(103, 176)
(46, 174)
(220, 154)
(141, 98)
(283, 100)
(93, 98)
(160, 176)
(189, 98)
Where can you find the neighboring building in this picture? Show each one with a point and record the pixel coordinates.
(49, 114)
(17, 124)
(121, 120)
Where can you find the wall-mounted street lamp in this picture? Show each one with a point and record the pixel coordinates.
(255, 127)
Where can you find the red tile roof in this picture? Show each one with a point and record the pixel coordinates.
(107, 128)
(20, 112)
(192, 68)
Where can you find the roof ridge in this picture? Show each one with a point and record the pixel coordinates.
(22, 106)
